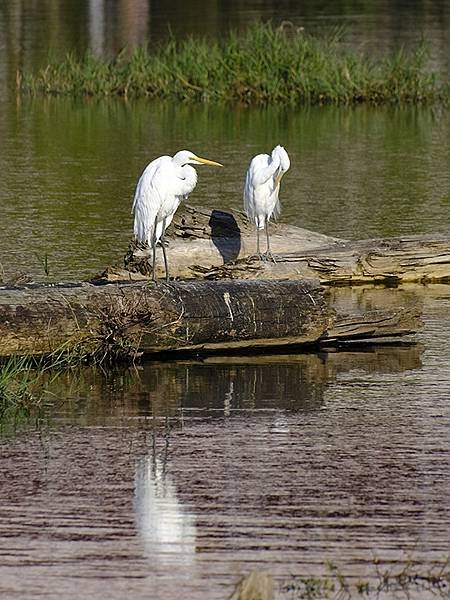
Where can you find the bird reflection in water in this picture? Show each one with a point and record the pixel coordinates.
(166, 527)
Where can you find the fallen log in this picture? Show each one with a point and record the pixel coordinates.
(213, 244)
(131, 318)
(422, 259)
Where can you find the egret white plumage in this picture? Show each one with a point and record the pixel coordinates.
(165, 182)
(261, 192)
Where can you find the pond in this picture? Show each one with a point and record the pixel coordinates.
(184, 475)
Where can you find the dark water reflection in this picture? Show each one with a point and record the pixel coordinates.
(216, 386)
(186, 474)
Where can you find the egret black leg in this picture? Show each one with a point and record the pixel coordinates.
(259, 254)
(269, 255)
(166, 264)
(154, 260)
(154, 251)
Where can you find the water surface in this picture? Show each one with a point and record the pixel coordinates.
(188, 474)
(70, 170)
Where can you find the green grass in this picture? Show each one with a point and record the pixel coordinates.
(25, 381)
(265, 65)
(15, 382)
(405, 580)
(22, 393)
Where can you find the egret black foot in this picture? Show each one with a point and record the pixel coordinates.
(257, 256)
(269, 256)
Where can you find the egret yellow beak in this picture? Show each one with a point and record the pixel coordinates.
(205, 161)
(278, 179)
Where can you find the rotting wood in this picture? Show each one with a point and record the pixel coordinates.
(176, 316)
(212, 244)
(188, 316)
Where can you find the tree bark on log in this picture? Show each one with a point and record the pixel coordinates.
(189, 316)
(212, 244)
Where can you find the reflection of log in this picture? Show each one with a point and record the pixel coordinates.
(215, 245)
(186, 316)
(217, 385)
(321, 367)
(367, 310)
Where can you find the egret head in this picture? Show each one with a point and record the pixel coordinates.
(186, 157)
(280, 153)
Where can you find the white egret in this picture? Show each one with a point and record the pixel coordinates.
(165, 182)
(261, 190)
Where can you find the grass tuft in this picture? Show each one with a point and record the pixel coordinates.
(406, 580)
(24, 380)
(266, 64)
(22, 393)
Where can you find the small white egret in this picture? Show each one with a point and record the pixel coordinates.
(261, 190)
(165, 182)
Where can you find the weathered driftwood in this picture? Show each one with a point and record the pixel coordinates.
(196, 315)
(212, 244)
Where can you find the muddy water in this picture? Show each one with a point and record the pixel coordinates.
(184, 475)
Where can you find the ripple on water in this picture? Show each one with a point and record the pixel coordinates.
(188, 474)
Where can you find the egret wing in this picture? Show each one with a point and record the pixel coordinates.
(259, 171)
(262, 168)
(151, 191)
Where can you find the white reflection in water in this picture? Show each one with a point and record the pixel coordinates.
(97, 26)
(166, 526)
(228, 401)
(280, 425)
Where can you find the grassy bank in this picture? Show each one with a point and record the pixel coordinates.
(25, 380)
(265, 65)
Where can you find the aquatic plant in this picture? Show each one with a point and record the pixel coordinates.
(266, 64)
(405, 579)
(15, 381)
(25, 380)
(21, 392)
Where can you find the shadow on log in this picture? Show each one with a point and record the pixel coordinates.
(251, 304)
(212, 244)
